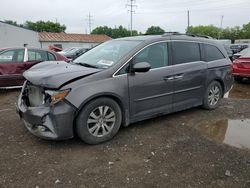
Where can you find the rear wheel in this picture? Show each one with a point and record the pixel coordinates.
(99, 121)
(212, 95)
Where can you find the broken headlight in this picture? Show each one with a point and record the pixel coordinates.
(56, 96)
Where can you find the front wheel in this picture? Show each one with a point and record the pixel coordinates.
(212, 95)
(99, 121)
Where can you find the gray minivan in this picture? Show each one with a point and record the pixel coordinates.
(123, 81)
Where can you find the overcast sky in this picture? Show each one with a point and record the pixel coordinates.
(171, 15)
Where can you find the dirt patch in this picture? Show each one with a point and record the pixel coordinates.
(167, 151)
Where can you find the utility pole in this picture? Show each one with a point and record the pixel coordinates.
(131, 6)
(221, 22)
(90, 21)
(188, 19)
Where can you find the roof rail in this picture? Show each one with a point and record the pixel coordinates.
(191, 35)
(202, 36)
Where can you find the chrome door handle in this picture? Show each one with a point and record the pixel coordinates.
(178, 77)
(168, 78)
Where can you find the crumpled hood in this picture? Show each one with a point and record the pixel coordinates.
(53, 74)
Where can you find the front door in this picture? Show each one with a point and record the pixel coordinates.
(11, 67)
(151, 92)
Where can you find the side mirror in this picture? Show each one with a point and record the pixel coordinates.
(141, 67)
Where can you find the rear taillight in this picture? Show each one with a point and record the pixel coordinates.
(237, 63)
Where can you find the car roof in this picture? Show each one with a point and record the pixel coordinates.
(12, 48)
(185, 37)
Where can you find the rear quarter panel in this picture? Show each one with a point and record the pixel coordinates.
(221, 70)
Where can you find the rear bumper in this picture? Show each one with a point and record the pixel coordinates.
(46, 121)
(241, 72)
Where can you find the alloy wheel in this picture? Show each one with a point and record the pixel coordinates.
(214, 95)
(101, 121)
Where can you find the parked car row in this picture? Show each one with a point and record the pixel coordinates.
(14, 61)
(73, 52)
(236, 48)
(241, 65)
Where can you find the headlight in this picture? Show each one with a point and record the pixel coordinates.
(56, 96)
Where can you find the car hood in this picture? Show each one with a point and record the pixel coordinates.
(54, 74)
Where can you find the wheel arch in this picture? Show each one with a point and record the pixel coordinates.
(220, 82)
(112, 96)
(222, 85)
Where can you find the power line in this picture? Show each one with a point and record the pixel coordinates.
(131, 6)
(90, 22)
(200, 8)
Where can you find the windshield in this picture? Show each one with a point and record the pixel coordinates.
(242, 52)
(106, 54)
(68, 49)
(246, 53)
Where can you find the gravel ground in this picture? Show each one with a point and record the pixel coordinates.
(170, 151)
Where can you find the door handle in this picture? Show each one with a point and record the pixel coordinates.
(168, 78)
(178, 77)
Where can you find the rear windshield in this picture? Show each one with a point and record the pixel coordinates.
(246, 54)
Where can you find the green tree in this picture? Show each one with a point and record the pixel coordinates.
(48, 26)
(209, 30)
(154, 30)
(13, 23)
(245, 32)
(114, 33)
(231, 33)
(103, 30)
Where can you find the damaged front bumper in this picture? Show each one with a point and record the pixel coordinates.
(53, 122)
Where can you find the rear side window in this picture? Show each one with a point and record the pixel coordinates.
(212, 53)
(37, 55)
(51, 56)
(185, 52)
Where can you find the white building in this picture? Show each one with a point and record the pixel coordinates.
(16, 36)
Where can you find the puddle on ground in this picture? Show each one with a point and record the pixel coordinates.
(239, 91)
(231, 132)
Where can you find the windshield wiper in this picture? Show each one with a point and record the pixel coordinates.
(87, 65)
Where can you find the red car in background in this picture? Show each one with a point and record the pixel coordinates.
(14, 61)
(241, 67)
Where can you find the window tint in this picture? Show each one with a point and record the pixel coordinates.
(12, 56)
(185, 52)
(156, 55)
(37, 55)
(51, 56)
(212, 53)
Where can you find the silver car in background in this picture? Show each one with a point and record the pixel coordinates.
(123, 81)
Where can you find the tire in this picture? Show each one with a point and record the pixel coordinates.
(212, 96)
(99, 121)
(238, 79)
